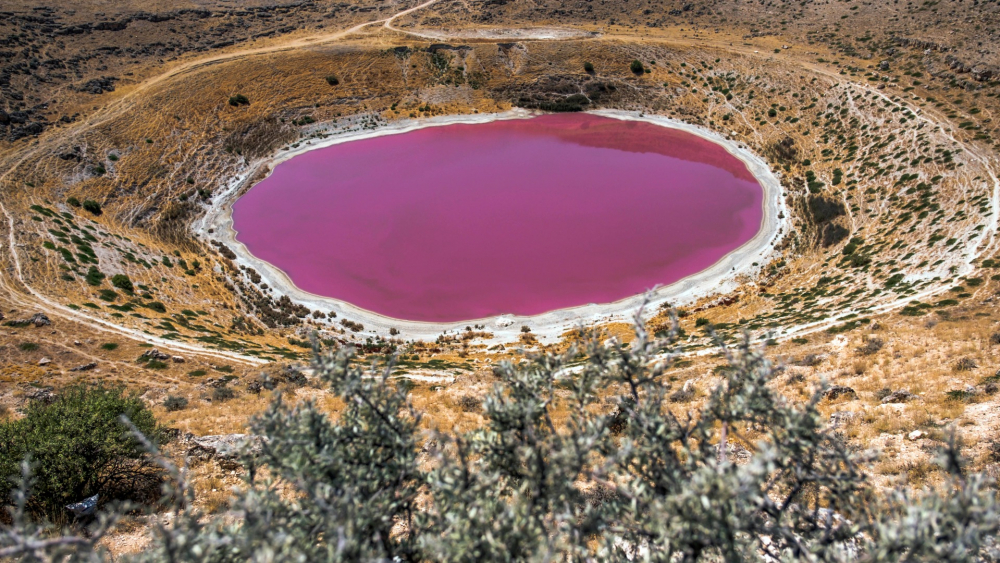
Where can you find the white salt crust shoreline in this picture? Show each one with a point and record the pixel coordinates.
(720, 278)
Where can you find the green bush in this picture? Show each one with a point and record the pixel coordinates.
(239, 100)
(332, 80)
(589, 67)
(636, 67)
(174, 403)
(107, 294)
(79, 447)
(122, 282)
(156, 306)
(72, 201)
(94, 276)
(109, 346)
(92, 206)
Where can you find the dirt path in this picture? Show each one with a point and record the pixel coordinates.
(20, 293)
(12, 282)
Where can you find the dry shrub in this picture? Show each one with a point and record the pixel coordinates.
(810, 360)
(213, 493)
(871, 347)
(469, 403)
(258, 138)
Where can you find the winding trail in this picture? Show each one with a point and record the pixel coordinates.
(12, 282)
(21, 294)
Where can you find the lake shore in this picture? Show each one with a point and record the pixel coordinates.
(719, 278)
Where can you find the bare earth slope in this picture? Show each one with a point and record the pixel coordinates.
(877, 118)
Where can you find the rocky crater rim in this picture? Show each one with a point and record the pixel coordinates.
(719, 278)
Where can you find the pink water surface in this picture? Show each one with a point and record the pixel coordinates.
(461, 222)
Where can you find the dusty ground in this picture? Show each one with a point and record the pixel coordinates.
(878, 117)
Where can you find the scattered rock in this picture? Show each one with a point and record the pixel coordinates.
(842, 418)
(99, 85)
(898, 397)
(178, 359)
(838, 391)
(44, 362)
(154, 354)
(916, 435)
(44, 396)
(38, 319)
(216, 383)
(85, 367)
(76, 343)
(226, 449)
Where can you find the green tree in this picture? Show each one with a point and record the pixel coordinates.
(79, 447)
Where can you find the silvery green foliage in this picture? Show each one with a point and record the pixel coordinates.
(557, 474)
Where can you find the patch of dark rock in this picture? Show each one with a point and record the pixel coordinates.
(898, 397)
(154, 354)
(99, 85)
(38, 320)
(838, 391)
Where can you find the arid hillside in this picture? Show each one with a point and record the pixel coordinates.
(120, 129)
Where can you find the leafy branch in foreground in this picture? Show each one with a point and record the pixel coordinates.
(580, 458)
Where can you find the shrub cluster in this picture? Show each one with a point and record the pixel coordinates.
(79, 447)
(553, 474)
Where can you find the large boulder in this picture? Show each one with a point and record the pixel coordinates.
(154, 354)
(226, 449)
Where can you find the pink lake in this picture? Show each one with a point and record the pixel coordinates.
(525, 216)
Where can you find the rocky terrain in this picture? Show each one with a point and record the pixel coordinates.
(120, 131)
